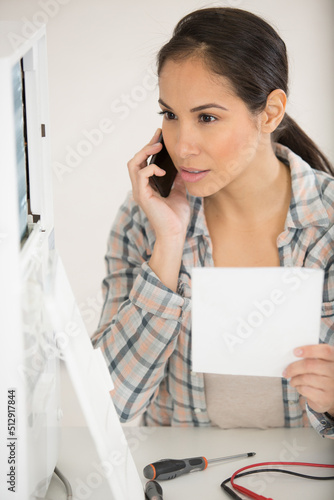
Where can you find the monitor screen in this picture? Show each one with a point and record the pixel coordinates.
(20, 140)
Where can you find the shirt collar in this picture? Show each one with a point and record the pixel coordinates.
(306, 205)
(197, 225)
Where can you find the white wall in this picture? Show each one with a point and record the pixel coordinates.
(101, 55)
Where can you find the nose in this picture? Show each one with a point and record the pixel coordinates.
(186, 143)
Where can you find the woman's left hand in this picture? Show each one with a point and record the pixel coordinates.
(313, 376)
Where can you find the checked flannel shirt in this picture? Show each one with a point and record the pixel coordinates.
(145, 328)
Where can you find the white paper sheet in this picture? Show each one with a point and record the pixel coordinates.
(247, 321)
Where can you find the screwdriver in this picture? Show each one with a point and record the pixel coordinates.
(169, 468)
(153, 491)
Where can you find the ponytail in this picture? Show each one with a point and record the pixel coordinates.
(291, 135)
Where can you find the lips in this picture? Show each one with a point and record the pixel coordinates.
(192, 175)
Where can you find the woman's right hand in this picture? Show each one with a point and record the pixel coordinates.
(169, 216)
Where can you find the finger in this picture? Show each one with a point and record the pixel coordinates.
(321, 351)
(150, 170)
(178, 188)
(142, 180)
(139, 160)
(316, 399)
(309, 366)
(149, 149)
(156, 136)
(319, 382)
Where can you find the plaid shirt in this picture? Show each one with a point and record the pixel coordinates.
(145, 328)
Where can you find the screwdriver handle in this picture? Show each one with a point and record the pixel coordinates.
(153, 491)
(169, 468)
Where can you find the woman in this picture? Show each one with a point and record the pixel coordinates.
(251, 190)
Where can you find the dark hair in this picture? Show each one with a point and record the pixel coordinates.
(245, 49)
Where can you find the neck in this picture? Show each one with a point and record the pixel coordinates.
(259, 194)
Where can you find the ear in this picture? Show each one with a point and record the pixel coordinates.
(274, 111)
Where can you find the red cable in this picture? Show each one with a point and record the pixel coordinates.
(250, 493)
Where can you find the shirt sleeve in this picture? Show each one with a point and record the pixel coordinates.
(141, 317)
(323, 422)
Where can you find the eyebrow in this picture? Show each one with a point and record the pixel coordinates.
(198, 108)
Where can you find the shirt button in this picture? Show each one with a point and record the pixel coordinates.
(292, 403)
(197, 410)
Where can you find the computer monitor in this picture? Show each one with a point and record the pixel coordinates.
(39, 319)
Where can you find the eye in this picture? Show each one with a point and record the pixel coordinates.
(168, 115)
(207, 118)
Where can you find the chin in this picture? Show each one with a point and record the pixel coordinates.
(205, 189)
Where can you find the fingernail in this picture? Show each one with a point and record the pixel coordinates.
(298, 352)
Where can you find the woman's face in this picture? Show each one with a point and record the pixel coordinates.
(209, 132)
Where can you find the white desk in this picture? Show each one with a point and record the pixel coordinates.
(78, 461)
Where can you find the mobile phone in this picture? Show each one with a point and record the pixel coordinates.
(163, 184)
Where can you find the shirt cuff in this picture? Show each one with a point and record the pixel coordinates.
(150, 294)
(322, 422)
